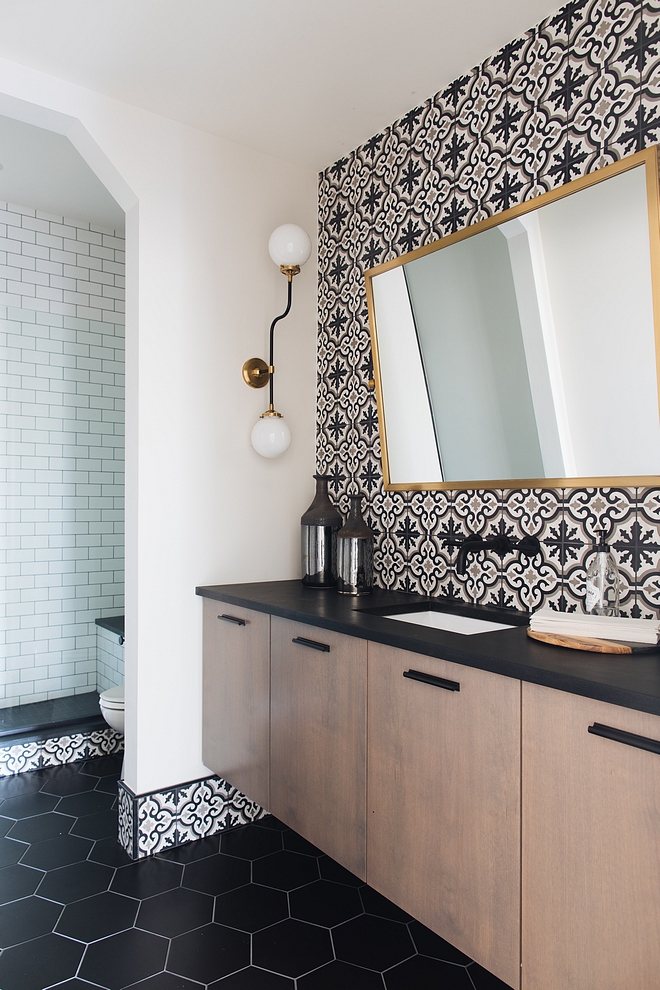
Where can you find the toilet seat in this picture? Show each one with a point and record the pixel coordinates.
(113, 697)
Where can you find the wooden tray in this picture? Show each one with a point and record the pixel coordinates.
(591, 644)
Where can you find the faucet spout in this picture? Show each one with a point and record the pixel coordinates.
(501, 544)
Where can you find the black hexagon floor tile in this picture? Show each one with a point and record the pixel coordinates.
(255, 908)
(27, 919)
(325, 903)
(253, 978)
(209, 953)
(41, 827)
(285, 870)
(39, 963)
(87, 803)
(60, 851)
(175, 912)
(374, 943)
(270, 821)
(146, 878)
(375, 903)
(483, 980)
(129, 956)
(428, 943)
(18, 881)
(162, 981)
(330, 870)
(251, 907)
(192, 851)
(291, 948)
(296, 843)
(68, 783)
(97, 916)
(110, 853)
(11, 851)
(216, 875)
(107, 785)
(21, 783)
(102, 825)
(340, 974)
(427, 974)
(72, 883)
(249, 842)
(28, 805)
(102, 766)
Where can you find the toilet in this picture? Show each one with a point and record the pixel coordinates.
(111, 703)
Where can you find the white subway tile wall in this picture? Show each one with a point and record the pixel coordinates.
(109, 660)
(62, 476)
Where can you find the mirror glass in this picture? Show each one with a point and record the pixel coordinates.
(523, 349)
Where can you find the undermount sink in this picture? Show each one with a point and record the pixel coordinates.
(463, 624)
(452, 616)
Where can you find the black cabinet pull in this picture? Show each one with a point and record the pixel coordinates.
(312, 644)
(419, 675)
(232, 618)
(627, 738)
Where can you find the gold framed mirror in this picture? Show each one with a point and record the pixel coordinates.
(524, 351)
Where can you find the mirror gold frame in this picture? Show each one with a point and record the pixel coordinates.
(649, 158)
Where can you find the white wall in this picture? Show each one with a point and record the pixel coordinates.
(201, 506)
(62, 352)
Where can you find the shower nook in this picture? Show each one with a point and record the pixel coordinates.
(62, 349)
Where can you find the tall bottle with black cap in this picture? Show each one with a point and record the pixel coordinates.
(602, 592)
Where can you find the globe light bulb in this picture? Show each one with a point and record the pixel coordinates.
(289, 245)
(270, 435)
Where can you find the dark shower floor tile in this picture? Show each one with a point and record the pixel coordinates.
(47, 713)
(257, 908)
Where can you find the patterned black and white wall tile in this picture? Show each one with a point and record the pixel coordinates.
(150, 823)
(580, 90)
(23, 756)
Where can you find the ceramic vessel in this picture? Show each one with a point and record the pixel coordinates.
(319, 528)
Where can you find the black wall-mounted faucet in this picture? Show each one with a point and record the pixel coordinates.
(501, 544)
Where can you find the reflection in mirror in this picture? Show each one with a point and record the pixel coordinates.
(525, 349)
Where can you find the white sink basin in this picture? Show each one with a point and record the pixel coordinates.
(449, 622)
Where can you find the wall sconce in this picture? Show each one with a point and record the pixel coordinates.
(289, 247)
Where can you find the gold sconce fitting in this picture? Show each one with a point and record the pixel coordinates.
(271, 411)
(290, 271)
(256, 373)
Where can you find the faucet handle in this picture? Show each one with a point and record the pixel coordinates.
(529, 546)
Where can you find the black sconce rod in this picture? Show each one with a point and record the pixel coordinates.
(272, 331)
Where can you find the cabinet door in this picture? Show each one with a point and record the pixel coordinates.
(591, 846)
(236, 696)
(318, 738)
(443, 807)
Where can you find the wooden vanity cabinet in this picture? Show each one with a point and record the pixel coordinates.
(318, 737)
(236, 697)
(443, 805)
(590, 846)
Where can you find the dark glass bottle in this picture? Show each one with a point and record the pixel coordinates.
(355, 553)
(320, 525)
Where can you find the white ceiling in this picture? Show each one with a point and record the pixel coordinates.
(43, 170)
(305, 80)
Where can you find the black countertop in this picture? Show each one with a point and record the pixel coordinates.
(630, 681)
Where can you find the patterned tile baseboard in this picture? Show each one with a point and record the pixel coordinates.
(23, 756)
(150, 823)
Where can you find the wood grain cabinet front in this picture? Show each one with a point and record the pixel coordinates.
(590, 844)
(318, 737)
(236, 697)
(443, 806)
